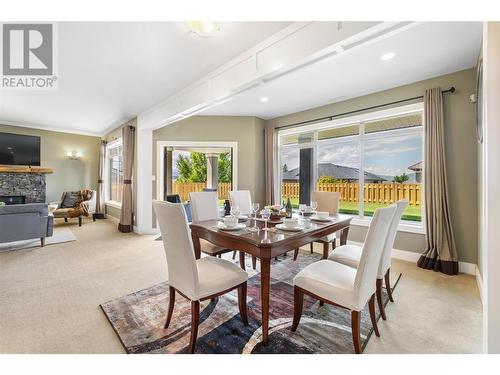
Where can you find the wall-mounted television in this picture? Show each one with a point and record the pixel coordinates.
(16, 149)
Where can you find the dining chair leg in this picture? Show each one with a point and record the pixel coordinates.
(171, 302)
(380, 302)
(242, 303)
(234, 254)
(355, 326)
(388, 284)
(254, 262)
(371, 307)
(195, 321)
(326, 245)
(242, 260)
(295, 254)
(298, 302)
(312, 247)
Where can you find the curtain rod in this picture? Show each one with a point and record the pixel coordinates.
(331, 117)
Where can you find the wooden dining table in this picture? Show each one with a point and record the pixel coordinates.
(266, 245)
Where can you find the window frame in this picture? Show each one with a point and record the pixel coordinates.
(107, 200)
(360, 120)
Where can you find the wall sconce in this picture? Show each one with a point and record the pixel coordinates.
(74, 155)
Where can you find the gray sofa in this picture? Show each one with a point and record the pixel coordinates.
(25, 221)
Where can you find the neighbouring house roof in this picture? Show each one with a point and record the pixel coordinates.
(338, 171)
(417, 167)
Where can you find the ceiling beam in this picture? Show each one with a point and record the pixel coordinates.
(296, 46)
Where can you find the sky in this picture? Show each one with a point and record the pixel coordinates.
(388, 156)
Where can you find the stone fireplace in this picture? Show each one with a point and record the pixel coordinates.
(22, 182)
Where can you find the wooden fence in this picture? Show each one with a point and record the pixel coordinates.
(373, 193)
(183, 189)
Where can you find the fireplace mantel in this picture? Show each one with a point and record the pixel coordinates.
(23, 169)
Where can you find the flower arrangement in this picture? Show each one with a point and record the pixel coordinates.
(276, 211)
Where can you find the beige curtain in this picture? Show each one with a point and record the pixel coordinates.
(126, 217)
(441, 254)
(100, 202)
(270, 139)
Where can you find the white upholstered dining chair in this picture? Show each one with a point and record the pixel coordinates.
(241, 199)
(327, 201)
(196, 280)
(350, 255)
(340, 285)
(204, 206)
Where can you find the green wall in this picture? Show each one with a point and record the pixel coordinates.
(461, 154)
(68, 174)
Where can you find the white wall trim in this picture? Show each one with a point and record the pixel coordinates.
(410, 256)
(160, 167)
(52, 128)
(479, 282)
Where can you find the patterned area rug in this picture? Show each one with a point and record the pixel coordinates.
(138, 319)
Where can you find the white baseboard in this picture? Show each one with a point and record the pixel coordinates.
(410, 256)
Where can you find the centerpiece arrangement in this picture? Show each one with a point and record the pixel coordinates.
(277, 212)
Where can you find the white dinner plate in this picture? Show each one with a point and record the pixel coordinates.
(289, 229)
(314, 217)
(223, 226)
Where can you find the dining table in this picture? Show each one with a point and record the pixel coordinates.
(266, 245)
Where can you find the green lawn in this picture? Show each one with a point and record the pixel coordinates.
(412, 213)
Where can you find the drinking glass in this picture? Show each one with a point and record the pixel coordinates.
(235, 211)
(266, 214)
(302, 209)
(314, 206)
(255, 209)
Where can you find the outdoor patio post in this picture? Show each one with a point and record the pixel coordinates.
(212, 171)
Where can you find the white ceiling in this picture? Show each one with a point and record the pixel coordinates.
(109, 72)
(423, 51)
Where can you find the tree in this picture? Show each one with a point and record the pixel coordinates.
(401, 178)
(224, 164)
(285, 168)
(193, 168)
(328, 180)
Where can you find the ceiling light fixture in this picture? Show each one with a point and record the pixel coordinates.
(203, 28)
(264, 99)
(387, 56)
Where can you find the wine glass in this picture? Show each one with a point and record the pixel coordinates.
(302, 209)
(266, 214)
(314, 206)
(235, 211)
(255, 209)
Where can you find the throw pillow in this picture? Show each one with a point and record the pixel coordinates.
(71, 198)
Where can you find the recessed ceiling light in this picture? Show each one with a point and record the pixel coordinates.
(264, 99)
(388, 56)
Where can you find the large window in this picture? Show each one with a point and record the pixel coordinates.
(373, 160)
(114, 173)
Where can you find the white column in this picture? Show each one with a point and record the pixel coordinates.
(144, 173)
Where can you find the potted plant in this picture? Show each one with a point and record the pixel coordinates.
(276, 212)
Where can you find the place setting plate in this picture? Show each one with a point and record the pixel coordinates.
(323, 220)
(284, 228)
(222, 226)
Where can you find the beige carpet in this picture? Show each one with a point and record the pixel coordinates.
(60, 235)
(49, 297)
